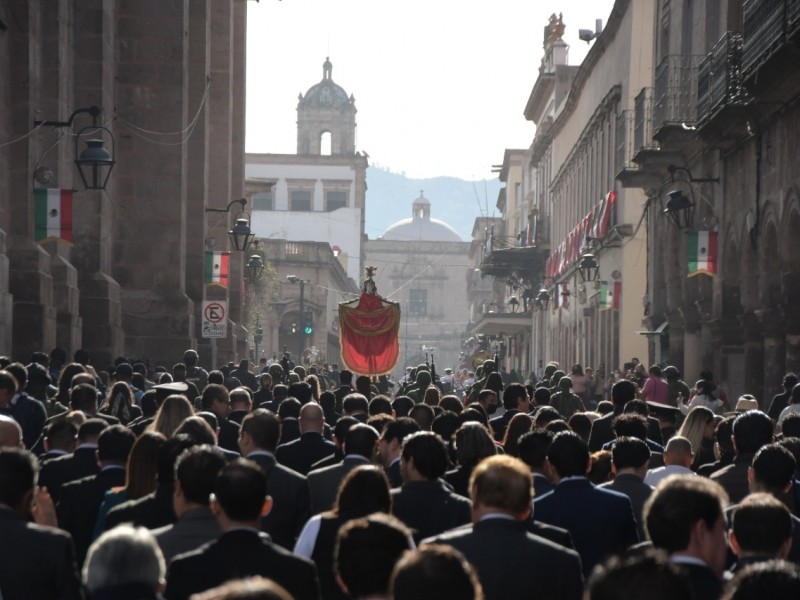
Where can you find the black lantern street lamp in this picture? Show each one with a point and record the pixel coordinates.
(240, 234)
(680, 202)
(589, 269)
(543, 299)
(95, 162)
(254, 268)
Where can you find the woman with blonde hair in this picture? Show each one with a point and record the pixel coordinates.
(699, 429)
(171, 414)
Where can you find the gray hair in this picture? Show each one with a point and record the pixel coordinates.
(124, 555)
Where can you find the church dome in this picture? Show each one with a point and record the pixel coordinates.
(421, 227)
(326, 93)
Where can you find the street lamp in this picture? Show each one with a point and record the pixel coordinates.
(254, 268)
(588, 268)
(95, 162)
(302, 317)
(240, 234)
(543, 299)
(680, 204)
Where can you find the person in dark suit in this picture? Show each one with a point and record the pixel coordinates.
(25, 410)
(155, 509)
(289, 413)
(761, 530)
(360, 446)
(425, 503)
(520, 565)
(473, 443)
(435, 571)
(601, 521)
(340, 430)
(35, 561)
(291, 505)
(621, 393)
(195, 475)
(80, 499)
(390, 446)
(646, 573)
(310, 447)
(630, 458)
(243, 374)
(515, 400)
(81, 463)
(684, 517)
(241, 404)
(239, 500)
(84, 397)
(345, 382)
(216, 399)
(533, 452)
(60, 439)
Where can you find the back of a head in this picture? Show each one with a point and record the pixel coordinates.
(246, 588)
(125, 555)
(345, 377)
(533, 447)
(241, 489)
(241, 398)
(642, 576)
(212, 392)
(630, 453)
(366, 552)
(402, 405)
(355, 403)
(197, 469)
(327, 400)
(678, 503)
(502, 483)
(264, 428)
(512, 393)
(199, 428)
(623, 392)
(773, 468)
(761, 525)
(630, 425)
(473, 443)
(289, 409)
(752, 430)
(61, 434)
(435, 572)
(168, 454)
(770, 579)
(302, 391)
(678, 451)
(361, 439)
(363, 491)
(363, 385)
(84, 397)
(545, 415)
(423, 414)
(569, 455)
(428, 452)
(90, 430)
(380, 405)
(18, 472)
(541, 396)
(114, 444)
(399, 429)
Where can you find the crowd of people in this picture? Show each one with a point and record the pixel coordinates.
(276, 481)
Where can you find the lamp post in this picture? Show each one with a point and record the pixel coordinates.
(301, 325)
(240, 234)
(588, 268)
(680, 203)
(254, 268)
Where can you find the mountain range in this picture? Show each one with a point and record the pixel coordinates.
(457, 202)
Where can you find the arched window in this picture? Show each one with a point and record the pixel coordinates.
(325, 143)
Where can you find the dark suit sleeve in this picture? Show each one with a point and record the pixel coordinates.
(572, 579)
(67, 578)
(308, 582)
(177, 574)
(303, 509)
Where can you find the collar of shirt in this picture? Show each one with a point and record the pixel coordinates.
(57, 452)
(243, 528)
(394, 461)
(87, 446)
(260, 453)
(572, 478)
(357, 457)
(112, 467)
(14, 399)
(685, 559)
(497, 515)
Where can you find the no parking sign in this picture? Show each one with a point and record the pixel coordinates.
(215, 318)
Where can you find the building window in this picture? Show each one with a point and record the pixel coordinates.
(335, 200)
(418, 302)
(300, 200)
(262, 201)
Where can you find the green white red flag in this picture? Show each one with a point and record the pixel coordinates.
(610, 294)
(702, 252)
(52, 214)
(217, 268)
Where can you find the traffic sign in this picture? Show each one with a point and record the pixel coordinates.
(215, 319)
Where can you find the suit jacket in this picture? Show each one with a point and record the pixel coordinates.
(291, 505)
(228, 435)
(303, 452)
(500, 423)
(151, 511)
(459, 479)
(80, 503)
(339, 393)
(192, 529)
(31, 416)
(734, 477)
(58, 471)
(542, 485)
(601, 521)
(36, 561)
(236, 554)
(237, 416)
(704, 584)
(602, 431)
(323, 484)
(328, 461)
(394, 475)
(557, 535)
(520, 565)
(635, 489)
(429, 508)
(290, 430)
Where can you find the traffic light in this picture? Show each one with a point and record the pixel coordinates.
(309, 329)
(294, 327)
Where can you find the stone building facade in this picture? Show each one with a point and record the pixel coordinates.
(169, 78)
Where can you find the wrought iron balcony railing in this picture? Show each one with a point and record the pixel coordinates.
(719, 80)
(675, 91)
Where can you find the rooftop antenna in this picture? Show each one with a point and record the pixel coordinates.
(587, 35)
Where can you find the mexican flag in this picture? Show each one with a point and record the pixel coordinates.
(702, 252)
(53, 214)
(610, 294)
(218, 268)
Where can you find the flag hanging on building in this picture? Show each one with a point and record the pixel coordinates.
(53, 214)
(610, 294)
(218, 268)
(702, 252)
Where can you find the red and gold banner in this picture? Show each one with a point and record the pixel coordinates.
(368, 334)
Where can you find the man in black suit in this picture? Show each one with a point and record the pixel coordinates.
(155, 509)
(356, 405)
(25, 410)
(81, 499)
(195, 475)
(345, 383)
(761, 530)
(360, 445)
(340, 430)
(515, 400)
(426, 504)
(245, 375)
(216, 399)
(621, 393)
(35, 561)
(81, 463)
(601, 521)
(684, 517)
(630, 458)
(289, 413)
(533, 452)
(84, 397)
(390, 446)
(310, 447)
(291, 506)
(520, 565)
(239, 500)
(241, 404)
(60, 438)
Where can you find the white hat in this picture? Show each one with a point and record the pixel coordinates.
(746, 402)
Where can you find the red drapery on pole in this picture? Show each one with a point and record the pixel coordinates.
(368, 334)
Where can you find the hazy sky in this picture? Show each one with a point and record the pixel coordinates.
(440, 85)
